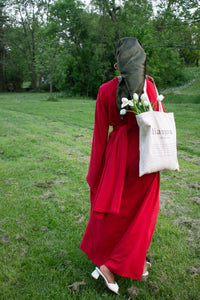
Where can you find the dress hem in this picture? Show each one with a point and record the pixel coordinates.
(114, 272)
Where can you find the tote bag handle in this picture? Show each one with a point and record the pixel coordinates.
(157, 94)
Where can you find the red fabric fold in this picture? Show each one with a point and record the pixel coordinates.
(110, 189)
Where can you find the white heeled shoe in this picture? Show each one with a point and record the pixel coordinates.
(112, 286)
(144, 275)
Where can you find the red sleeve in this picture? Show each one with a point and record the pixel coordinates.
(100, 136)
(151, 91)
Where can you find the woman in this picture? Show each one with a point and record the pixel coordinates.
(124, 206)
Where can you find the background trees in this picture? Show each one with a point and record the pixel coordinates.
(2, 45)
(71, 45)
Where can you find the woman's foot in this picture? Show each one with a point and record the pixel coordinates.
(146, 266)
(108, 274)
(145, 269)
(108, 277)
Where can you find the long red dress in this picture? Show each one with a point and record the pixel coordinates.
(124, 206)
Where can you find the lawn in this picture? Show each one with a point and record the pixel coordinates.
(44, 204)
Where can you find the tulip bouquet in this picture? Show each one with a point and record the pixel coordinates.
(138, 104)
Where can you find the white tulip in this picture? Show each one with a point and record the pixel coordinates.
(160, 97)
(122, 112)
(143, 97)
(146, 103)
(130, 102)
(135, 97)
(124, 102)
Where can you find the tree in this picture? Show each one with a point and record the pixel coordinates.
(108, 8)
(78, 34)
(108, 23)
(2, 46)
(164, 48)
(31, 15)
(16, 68)
(137, 15)
(49, 58)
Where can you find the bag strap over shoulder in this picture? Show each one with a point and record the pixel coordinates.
(157, 96)
(145, 93)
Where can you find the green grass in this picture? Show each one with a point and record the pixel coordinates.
(44, 204)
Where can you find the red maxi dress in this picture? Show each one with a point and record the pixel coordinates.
(124, 206)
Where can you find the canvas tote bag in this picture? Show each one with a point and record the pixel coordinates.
(157, 140)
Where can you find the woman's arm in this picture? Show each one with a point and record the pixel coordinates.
(100, 135)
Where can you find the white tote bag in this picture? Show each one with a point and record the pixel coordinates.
(157, 140)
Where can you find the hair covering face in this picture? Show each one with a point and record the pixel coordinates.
(131, 62)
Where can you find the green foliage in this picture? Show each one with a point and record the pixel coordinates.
(136, 16)
(166, 67)
(73, 46)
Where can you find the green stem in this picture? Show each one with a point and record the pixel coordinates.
(136, 107)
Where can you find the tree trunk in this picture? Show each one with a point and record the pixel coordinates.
(33, 78)
(34, 75)
(51, 88)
